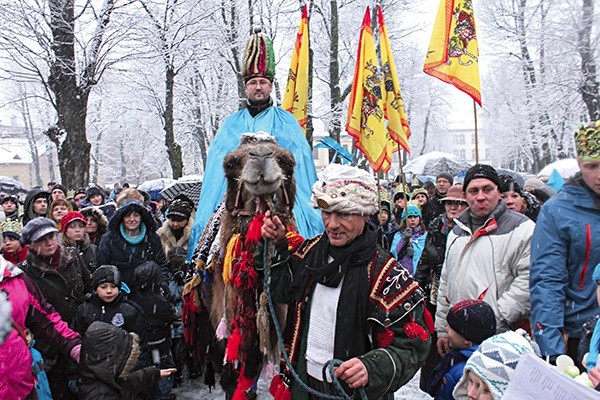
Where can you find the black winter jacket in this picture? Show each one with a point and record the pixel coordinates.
(121, 313)
(114, 250)
(105, 354)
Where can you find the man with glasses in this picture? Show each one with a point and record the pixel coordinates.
(354, 302)
(487, 256)
(259, 114)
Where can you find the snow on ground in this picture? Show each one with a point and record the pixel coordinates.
(196, 390)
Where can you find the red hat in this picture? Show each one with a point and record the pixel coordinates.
(70, 217)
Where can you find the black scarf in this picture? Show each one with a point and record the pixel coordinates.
(351, 263)
(255, 107)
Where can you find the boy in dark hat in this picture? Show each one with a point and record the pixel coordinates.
(470, 322)
(107, 303)
(10, 206)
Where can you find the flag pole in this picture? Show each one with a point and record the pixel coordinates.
(476, 137)
(402, 181)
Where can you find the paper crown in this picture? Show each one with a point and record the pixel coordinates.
(259, 57)
(587, 142)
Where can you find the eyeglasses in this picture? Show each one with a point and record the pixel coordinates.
(456, 203)
(258, 82)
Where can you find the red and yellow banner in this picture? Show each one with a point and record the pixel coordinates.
(453, 55)
(398, 127)
(295, 99)
(366, 121)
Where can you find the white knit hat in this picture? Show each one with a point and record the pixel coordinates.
(345, 189)
(495, 361)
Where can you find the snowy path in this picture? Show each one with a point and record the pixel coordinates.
(195, 390)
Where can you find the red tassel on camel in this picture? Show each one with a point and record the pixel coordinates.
(244, 384)
(233, 346)
(428, 320)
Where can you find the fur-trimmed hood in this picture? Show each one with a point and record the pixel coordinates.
(117, 219)
(98, 216)
(108, 354)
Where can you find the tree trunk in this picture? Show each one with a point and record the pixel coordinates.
(589, 87)
(173, 148)
(425, 130)
(334, 77)
(31, 139)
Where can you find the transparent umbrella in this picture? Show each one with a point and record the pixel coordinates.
(11, 186)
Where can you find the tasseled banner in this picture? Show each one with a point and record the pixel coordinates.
(385, 337)
(209, 376)
(428, 320)
(222, 331)
(233, 346)
(233, 249)
(244, 384)
(414, 330)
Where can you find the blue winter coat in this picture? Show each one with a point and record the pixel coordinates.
(564, 252)
(455, 373)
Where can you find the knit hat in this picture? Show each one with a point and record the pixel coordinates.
(94, 191)
(481, 171)
(495, 361)
(446, 175)
(80, 191)
(455, 193)
(259, 57)
(419, 191)
(180, 208)
(106, 273)
(535, 183)
(12, 199)
(345, 189)
(411, 210)
(587, 142)
(596, 275)
(59, 187)
(70, 217)
(36, 229)
(472, 319)
(11, 228)
(509, 184)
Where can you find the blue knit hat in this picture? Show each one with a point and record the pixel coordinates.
(412, 210)
(596, 275)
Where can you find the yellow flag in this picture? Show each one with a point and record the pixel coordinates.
(295, 99)
(398, 127)
(365, 113)
(453, 55)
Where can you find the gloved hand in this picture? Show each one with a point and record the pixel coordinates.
(410, 251)
(407, 234)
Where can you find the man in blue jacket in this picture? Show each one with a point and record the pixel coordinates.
(564, 252)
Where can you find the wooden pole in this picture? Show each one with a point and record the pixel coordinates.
(402, 181)
(476, 137)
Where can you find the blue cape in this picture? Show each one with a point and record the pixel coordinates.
(286, 130)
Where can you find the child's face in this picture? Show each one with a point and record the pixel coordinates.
(477, 388)
(75, 230)
(456, 340)
(11, 245)
(107, 292)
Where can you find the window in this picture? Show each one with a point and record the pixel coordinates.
(460, 139)
(460, 153)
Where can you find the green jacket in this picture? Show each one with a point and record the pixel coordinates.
(396, 302)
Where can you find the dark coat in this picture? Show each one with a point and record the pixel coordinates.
(120, 313)
(432, 258)
(64, 288)
(115, 250)
(87, 250)
(32, 196)
(105, 353)
(433, 208)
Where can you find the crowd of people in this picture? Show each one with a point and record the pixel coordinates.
(458, 278)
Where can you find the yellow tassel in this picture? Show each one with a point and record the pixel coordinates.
(233, 246)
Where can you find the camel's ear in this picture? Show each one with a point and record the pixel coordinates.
(286, 161)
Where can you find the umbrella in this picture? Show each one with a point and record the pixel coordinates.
(154, 186)
(435, 163)
(565, 168)
(11, 186)
(190, 186)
